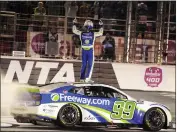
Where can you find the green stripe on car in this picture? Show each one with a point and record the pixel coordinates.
(28, 89)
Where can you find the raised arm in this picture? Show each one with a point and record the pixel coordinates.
(100, 32)
(74, 28)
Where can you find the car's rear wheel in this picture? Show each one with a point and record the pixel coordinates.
(34, 122)
(69, 115)
(154, 119)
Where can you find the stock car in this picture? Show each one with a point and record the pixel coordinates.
(71, 104)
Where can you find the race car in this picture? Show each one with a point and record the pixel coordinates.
(71, 104)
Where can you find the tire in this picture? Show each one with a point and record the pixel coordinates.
(34, 122)
(123, 126)
(68, 116)
(154, 119)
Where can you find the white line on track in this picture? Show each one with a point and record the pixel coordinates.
(171, 95)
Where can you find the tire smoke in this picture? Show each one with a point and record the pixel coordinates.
(8, 91)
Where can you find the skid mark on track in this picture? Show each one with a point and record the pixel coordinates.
(170, 95)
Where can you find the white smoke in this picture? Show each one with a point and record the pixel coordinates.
(8, 91)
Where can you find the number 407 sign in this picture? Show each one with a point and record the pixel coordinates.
(153, 76)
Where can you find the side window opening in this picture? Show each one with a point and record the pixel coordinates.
(81, 91)
(97, 91)
(111, 93)
(88, 91)
(77, 90)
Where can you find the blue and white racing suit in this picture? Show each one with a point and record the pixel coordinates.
(87, 45)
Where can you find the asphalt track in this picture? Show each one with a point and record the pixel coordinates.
(165, 98)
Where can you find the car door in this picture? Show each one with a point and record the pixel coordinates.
(93, 103)
(122, 110)
(99, 105)
(108, 105)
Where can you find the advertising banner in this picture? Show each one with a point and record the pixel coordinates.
(42, 71)
(144, 50)
(38, 45)
(171, 56)
(43, 44)
(147, 77)
(153, 76)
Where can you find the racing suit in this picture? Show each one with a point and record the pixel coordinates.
(87, 45)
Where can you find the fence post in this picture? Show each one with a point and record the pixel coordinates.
(65, 31)
(128, 30)
(159, 32)
(168, 29)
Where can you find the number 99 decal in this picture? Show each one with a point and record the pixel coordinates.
(123, 110)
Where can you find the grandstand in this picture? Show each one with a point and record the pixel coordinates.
(143, 32)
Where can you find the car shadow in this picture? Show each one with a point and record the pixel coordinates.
(79, 128)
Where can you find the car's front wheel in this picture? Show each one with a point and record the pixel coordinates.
(154, 119)
(69, 115)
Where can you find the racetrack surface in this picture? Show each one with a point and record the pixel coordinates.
(38, 128)
(167, 99)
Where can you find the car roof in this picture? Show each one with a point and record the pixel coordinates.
(70, 83)
(109, 86)
(78, 84)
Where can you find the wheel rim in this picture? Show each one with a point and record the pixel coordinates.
(69, 115)
(155, 119)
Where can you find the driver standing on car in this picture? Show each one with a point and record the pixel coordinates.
(87, 38)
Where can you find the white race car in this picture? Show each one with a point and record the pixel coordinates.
(70, 104)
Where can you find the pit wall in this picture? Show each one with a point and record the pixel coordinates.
(146, 77)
